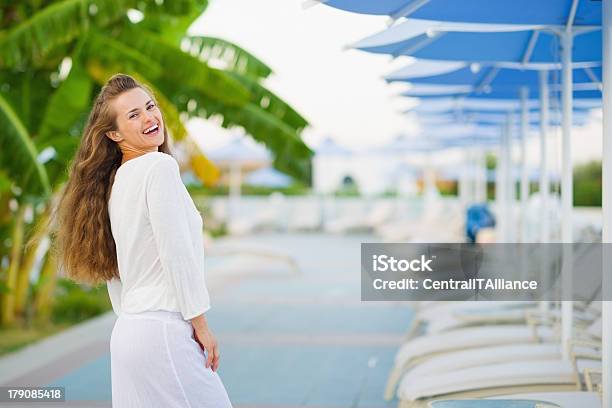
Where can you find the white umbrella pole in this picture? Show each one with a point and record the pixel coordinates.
(429, 177)
(567, 100)
(544, 188)
(234, 189)
(509, 183)
(566, 191)
(482, 171)
(544, 179)
(524, 175)
(607, 199)
(501, 201)
(464, 194)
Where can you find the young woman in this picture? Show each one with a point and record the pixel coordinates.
(126, 218)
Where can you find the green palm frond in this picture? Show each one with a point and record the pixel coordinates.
(170, 27)
(18, 154)
(258, 123)
(173, 8)
(231, 56)
(27, 92)
(272, 104)
(55, 25)
(292, 156)
(113, 53)
(184, 70)
(63, 111)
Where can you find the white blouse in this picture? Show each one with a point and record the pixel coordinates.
(158, 236)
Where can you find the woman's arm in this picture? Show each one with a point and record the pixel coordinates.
(207, 340)
(181, 260)
(166, 201)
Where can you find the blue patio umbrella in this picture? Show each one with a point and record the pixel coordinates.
(477, 79)
(494, 82)
(268, 177)
(450, 117)
(558, 12)
(538, 45)
(473, 75)
(237, 154)
(508, 93)
(240, 150)
(329, 147)
(448, 104)
(403, 143)
(532, 46)
(566, 14)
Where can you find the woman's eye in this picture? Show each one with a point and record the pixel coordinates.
(151, 106)
(133, 115)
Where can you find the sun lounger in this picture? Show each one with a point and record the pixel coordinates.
(421, 349)
(464, 348)
(506, 403)
(471, 317)
(496, 379)
(366, 222)
(306, 215)
(585, 399)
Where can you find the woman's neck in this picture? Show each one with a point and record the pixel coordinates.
(129, 154)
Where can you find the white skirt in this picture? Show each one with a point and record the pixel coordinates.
(156, 362)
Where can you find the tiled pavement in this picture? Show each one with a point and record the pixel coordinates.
(287, 340)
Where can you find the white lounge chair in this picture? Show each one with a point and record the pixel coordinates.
(481, 403)
(364, 222)
(464, 348)
(496, 379)
(306, 215)
(586, 399)
(470, 317)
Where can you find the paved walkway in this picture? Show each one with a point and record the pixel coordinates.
(287, 339)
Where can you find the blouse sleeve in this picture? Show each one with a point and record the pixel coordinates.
(114, 287)
(167, 202)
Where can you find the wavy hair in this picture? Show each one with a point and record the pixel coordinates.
(84, 243)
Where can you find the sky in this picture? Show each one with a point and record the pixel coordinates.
(340, 92)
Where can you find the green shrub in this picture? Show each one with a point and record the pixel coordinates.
(75, 303)
(587, 184)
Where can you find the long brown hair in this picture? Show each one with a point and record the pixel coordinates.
(83, 242)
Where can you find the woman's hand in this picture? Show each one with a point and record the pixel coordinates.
(207, 341)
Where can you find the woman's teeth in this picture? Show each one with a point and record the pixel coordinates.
(152, 129)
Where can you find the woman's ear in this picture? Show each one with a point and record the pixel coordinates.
(114, 135)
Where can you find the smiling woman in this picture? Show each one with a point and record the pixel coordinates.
(126, 218)
(139, 123)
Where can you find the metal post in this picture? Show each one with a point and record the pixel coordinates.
(566, 148)
(482, 171)
(544, 177)
(524, 171)
(235, 181)
(607, 201)
(501, 191)
(566, 190)
(510, 182)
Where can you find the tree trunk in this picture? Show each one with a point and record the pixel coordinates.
(27, 262)
(7, 315)
(43, 300)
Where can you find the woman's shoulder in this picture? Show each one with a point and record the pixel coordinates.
(161, 168)
(148, 165)
(152, 160)
(161, 160)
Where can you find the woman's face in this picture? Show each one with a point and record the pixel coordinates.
(140, 127)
